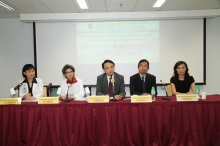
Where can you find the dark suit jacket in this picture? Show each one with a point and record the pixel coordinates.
(102, 85)
(136, 84)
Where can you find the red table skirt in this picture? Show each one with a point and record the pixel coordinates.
(161, 123)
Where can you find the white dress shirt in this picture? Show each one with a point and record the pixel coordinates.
(108, 78)
(76, 89)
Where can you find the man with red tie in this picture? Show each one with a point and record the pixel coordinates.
(110, 83)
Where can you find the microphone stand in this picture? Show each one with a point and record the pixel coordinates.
(167, 97)
(18, 87)
(113, 92)
(67, 100)
(113, 97)
(18, 92)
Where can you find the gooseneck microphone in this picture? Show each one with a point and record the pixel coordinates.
(48, 89)
(67, 100)
(49, 86)
(112, 81)
(113, 91)
(167, 97)
(19, 85)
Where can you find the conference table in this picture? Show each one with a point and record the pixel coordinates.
(120, 123)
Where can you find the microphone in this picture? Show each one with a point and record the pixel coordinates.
(87, 91)
(167, 97)
(67, 100)
(112, 81)
(48, 89)
(19, 85)
(49, 86)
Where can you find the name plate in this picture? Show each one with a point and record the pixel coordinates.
(48, 100)
(141, 99)
(186, 97)
(10, 101)
(97, 99)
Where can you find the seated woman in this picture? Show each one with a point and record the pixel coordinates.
(182, 82)
(72, 84)
(32, 87)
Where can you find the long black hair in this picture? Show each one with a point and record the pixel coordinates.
(175, 74)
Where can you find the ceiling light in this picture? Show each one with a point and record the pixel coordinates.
(6, 6)
(159, 3)
(82, 4)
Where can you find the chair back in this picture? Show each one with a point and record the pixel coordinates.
(45, 91)
(169, 90)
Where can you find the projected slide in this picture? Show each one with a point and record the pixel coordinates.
(123, 42)
(85, 45)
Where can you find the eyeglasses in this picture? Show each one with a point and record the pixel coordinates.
(143, 66)
(68, 72)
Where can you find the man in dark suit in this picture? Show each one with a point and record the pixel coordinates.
(142, 82)
(110, 83)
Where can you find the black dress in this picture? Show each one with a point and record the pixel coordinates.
(182, 86)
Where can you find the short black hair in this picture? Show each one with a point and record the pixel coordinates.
(143, 60)
(105, 61)
(67, 66)
(27, 67)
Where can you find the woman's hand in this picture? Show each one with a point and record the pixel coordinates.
(69, 97)
(27, 96)
(190, 92)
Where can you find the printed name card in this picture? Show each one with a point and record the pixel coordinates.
(141, 99)
(48, 100)
(186, 97)
(97, 99)
(10, 101)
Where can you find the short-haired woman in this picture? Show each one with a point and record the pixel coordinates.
(72, 84)
(32, 87)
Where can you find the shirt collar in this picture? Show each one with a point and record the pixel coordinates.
(108, 77)
(142, 76)
(34, 80)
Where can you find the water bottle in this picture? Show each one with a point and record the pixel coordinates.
(58, 93)
(197, 91)
(153, 93)
(12, 91)
(87, 91)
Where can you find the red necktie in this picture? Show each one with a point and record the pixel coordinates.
(110, 88)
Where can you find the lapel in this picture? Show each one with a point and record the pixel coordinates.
(139, 80)
(105, 83)
(146, 80)
(115, 82)
(34, 87)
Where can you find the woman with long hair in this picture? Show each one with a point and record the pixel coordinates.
(181, 81)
